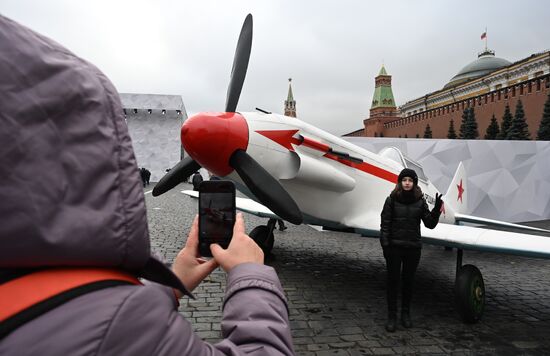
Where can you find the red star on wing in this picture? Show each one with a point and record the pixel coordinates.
(460, 191)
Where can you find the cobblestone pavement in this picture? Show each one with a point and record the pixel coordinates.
(335, 284)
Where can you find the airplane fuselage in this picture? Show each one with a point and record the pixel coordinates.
(310, 162)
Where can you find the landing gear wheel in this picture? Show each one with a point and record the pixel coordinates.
(263, 236)
(470, 294)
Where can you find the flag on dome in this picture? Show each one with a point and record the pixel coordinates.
(484, 35)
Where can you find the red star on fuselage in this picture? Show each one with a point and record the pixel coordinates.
(460, 191)
(282, 137)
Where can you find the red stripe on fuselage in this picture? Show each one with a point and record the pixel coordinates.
(316, 145)
(366, 167)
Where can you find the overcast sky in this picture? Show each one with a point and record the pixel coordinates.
(331, 49)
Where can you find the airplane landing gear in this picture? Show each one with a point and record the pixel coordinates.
(469, 291)
(263, 236)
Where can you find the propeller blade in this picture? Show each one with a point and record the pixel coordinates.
(240, 64)
(176, 175)
(266, 188)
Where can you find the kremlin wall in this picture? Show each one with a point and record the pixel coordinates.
(487, 84)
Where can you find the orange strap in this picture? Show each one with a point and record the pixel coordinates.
(23, 292)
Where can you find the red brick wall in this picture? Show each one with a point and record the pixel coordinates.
(484, 107)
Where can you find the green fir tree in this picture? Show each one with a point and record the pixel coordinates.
(406, 136)
(468, 127)
(473, 124)
(544, 128)
(451, 133)
(492, 130)
(505, 124)
(417, 136)
(519, 129)
(428, 132)
(463, 123)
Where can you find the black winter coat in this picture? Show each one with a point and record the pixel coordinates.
(400, 222)
(197, 180)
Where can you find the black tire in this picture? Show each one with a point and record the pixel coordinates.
(470, 294)
(264, 238)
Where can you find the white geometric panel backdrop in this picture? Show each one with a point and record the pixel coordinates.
(507, 180)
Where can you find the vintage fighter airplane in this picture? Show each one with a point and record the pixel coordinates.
(297, 172)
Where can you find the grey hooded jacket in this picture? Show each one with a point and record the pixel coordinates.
(71, 195)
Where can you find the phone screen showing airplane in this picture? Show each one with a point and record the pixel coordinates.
(217, 217)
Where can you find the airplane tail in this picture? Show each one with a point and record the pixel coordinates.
(456, 202)
(456, 196)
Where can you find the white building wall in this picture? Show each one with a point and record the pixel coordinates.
(154, 123)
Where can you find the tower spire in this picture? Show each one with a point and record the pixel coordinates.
(290, 103)
(383, 107)
(383, 95)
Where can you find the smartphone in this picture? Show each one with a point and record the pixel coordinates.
(216, 214)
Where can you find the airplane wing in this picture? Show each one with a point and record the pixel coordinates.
(459, 236)
(479, 239)
(243, 204)
(484, 221)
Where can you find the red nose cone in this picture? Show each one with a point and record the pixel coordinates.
(211, 139)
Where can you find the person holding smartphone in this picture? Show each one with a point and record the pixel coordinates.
(252, 289)
(73, 205)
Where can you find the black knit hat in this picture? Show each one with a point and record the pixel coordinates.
(407, 172)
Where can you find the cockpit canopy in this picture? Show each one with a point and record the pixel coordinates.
(395, 155)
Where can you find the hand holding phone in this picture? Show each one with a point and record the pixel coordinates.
(190, 268)
(242, 249)
(216, 214)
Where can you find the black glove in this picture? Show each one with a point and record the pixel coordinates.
(438, 202)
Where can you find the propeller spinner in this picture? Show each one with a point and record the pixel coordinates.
(218, 141)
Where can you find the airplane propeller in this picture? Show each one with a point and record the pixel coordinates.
(179, 173)
(240, 65)
(264, 186)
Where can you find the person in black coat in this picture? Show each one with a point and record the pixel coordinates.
(401, 240)
(147, 175)
(196, 180)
